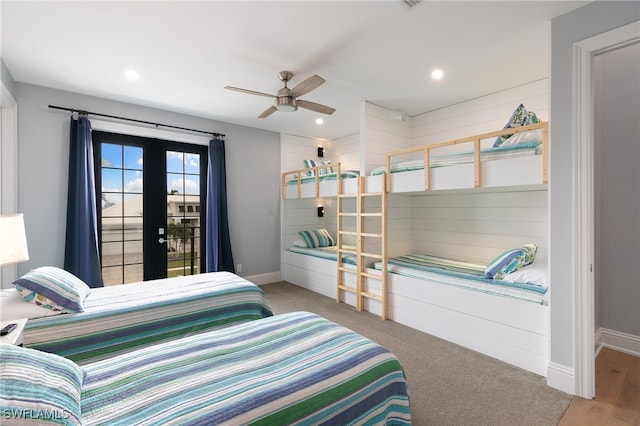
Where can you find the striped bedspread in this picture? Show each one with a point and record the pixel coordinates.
(329, 253)
(487, 154)
(296, 368)
(463, 275)
(328, 176)
(120, 318)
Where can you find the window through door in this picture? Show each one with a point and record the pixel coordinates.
(150, 220)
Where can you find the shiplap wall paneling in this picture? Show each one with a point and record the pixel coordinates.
(480, 115)
(302, 214)
(346, 151)
(379, 134)
(294, 149)
(479, 226)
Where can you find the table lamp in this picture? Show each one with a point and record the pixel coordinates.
(13, 240)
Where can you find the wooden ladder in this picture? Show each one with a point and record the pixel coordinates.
(362, 245)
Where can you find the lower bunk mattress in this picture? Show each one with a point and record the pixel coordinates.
(462, 275)
(120, 318)
(296, 368)
(328, 253)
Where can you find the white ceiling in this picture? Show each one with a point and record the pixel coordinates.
(186, 52)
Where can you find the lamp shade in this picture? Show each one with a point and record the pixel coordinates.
(13, 240)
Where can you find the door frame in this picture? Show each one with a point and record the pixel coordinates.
(174, 139)
(583, 199)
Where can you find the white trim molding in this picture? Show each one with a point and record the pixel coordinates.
(618, 341)
(583, 196)
(561, 377)
(267, 278)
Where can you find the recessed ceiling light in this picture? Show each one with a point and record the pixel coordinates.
(437, 74)
(319, 121)
(132, 75)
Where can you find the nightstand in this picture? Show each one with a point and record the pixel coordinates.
(15, 337)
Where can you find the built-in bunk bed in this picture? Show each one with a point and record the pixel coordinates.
(476, 304)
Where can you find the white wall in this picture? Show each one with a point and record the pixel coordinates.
(590, 20)
(617, 176)
(253, 171)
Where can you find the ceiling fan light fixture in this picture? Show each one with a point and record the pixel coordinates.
(286, 104)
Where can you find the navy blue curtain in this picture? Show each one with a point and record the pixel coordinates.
(81, 256)
(219, 256)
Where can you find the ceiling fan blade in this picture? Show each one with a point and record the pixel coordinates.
(267, 112)
(250, 92)
(308, 85)
(315, 107)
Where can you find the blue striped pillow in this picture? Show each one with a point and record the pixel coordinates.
(314, 163)
(510, 261)
(57, 285)
(39, 386)
(317, 238)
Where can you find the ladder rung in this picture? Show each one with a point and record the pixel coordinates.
(347, 195)
(368, 234)
(372, 214)
(348, 247)
(347, 214)
(371, 295)
(347, 233)
(349, 270)
(371, 194)
(347, 288)
(372, 255)
(369, 275)
(348, 251)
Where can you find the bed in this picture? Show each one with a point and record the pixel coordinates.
(522, 162)
(117, 319)
(512, 329)
(296, 368)
(470, 276)
(328, 253)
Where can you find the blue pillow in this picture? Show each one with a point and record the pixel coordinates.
(317, 238)
(314, 163)
(57, 285)
(39, 386)
(510, 261)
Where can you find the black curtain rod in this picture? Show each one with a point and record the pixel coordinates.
(83, 112)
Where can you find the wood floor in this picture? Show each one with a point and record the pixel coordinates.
(617, 401)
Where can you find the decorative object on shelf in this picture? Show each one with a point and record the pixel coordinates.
(13, 248)
(320, 152)
(320, 211)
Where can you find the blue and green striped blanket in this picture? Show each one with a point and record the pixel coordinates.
(328, 253)
(296, 368)
(486, 154)
(463, 275)
(120, 318)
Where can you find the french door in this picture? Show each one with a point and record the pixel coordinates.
(149, 198)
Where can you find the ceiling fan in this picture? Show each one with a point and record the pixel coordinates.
(286, 99)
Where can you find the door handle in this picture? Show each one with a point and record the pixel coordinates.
(161, 240)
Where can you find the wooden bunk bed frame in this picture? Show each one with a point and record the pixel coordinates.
(513, 331)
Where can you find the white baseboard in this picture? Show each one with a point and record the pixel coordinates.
(618, 341)
(561, 377)
(269, 277)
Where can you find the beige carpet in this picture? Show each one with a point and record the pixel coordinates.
(448, 384)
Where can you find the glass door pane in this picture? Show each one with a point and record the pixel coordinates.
(122, 213)
(183, 213)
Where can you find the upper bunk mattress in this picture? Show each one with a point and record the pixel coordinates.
(467, 157)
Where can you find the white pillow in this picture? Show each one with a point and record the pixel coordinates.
(299, 243)
(12, 307)
(535, 273)
(531, 136)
